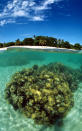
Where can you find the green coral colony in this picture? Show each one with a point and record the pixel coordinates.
(44, 94)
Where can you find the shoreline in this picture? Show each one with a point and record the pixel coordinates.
(2, 49)
(37, 47)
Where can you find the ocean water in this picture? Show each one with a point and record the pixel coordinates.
(14, 60)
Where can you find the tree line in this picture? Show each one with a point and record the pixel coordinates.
(43, 41)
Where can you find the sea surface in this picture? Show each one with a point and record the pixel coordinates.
(14, 60)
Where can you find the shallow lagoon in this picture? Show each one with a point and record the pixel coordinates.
(17, 59)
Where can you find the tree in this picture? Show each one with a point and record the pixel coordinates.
(77, 46)
(1, 45)
(42, 42)
(18, 42)
(9, 44)
(34, 36)
(67, 44)
(28, 41)
(51, 41)
(59, 41)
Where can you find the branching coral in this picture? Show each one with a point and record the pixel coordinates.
(42, 93)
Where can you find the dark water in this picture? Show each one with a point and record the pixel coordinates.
(14, 60)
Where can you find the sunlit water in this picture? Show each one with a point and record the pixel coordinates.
(17, 59)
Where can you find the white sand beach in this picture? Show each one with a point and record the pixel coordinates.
(36, 47)
(2, 49)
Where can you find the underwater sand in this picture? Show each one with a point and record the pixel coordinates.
(14, 60)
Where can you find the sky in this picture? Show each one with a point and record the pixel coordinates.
(25, 18)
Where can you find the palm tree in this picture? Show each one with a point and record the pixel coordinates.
(18, 42)
(42, 42)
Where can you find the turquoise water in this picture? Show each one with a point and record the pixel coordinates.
(14, 60)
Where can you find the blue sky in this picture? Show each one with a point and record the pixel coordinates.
(25, 18)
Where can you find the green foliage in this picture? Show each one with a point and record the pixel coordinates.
(8, 44)
(64, 44)
(18, 42)
(52, 41)
(40, 40)
(1, 45)
(28, 41)
(44, 41)
(43, 93)
(67, 44)
(77, 46)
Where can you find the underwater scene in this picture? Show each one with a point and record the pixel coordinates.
(40, 90)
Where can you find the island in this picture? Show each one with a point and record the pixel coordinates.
(41, 42)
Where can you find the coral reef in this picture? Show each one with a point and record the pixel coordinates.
(43, 93)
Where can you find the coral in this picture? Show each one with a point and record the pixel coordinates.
(42, 93)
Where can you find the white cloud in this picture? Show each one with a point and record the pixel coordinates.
(19, 13)
(37, 18)
(3, 22)
(26, 35)
(25, 8)
(44, 5)
(25, 4)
